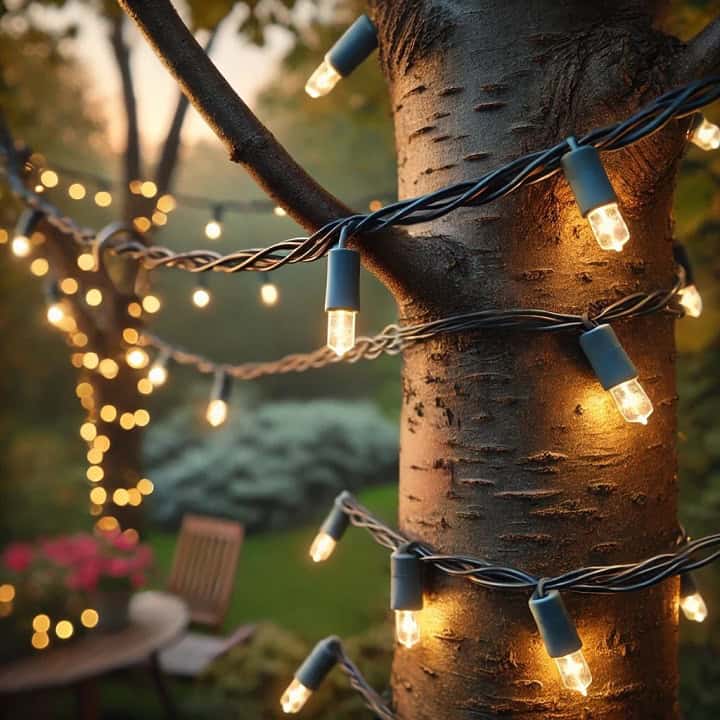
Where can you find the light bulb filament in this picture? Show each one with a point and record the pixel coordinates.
(295, 697)
(574, 671)
(608, 226)
(407, 627)
(632, 401)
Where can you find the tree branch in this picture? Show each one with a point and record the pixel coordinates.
(248, 141)
(168, 160)
(701, 55)
(121, 52)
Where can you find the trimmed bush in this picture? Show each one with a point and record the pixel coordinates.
(278, 466)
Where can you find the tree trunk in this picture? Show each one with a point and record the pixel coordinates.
(510, 449)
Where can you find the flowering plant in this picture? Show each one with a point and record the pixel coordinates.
(81, 562)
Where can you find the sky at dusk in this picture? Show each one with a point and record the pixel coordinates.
(246, 67)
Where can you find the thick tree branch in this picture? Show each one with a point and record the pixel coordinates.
(132, 137)
(248, 141)
(398, 260)
(701, 56)
(168, 160)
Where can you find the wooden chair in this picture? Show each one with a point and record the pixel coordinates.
(203, 575)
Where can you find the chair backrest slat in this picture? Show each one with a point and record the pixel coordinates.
(204, 566)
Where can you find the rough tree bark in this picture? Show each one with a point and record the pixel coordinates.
(510, 449)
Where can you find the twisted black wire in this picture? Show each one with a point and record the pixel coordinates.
(372, 699)
(394, 339)
(527, 169)
(594, 579)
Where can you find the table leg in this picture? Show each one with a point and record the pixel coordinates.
(88, 700)
(162, 688)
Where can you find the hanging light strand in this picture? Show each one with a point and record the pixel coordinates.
(525, 170)
(597, 579)
(394, 339)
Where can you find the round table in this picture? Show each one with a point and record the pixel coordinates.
(156, 620)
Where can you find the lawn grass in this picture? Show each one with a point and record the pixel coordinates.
(277, 581)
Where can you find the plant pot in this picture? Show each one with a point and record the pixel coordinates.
(113, 607)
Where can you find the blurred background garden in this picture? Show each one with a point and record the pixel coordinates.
(292, 442)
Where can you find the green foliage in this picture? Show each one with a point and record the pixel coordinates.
(344, 596)
(251, 678)
(271, 467)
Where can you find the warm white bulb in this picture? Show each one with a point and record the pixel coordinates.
(137, 358)
(341, 330)
(20, 246)
(200, 297)
(213, 230)
(269, 293)
(294, 697)
(158, 375)
(323, 80)
(322, 547)
(407, 627)
(609, 227)
(632, 401)
(574, 671)
(692, 302)
(216, 412)
(706, 135)
(694, 607)
(55, 314)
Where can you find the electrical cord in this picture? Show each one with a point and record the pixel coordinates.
(594, 579)
(525, 170)
(394, 339)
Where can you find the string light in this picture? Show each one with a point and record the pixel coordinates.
(332, 529)
(69, 286)
(89, 617)
(86, 261)
(136, 358)
(703, 133)
(691, 601)
(151, 304)
(561, 640)
(342, 297)
(103, 198)
(217, 408)
(353, 47)
(77, 191)
(158, 373)
(689, 295)
(406, 594)
(49, 178)
(279, 211)
(55, 309)
(214, 228)
(148, 189)
(108, 368)
(20, 245)
(94, 297)
(595, 196)
(166, 204)
(39, 267)
(310, 675)
(616, 373)
(268, 290)
(64, 629)
(201, 294)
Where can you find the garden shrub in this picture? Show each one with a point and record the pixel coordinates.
(277, 466)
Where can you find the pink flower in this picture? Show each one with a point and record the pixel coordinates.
(85, 577)
(18, 556)
(118, 567)
(122, 542)
(138, 580)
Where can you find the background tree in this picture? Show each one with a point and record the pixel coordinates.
(508, 450)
